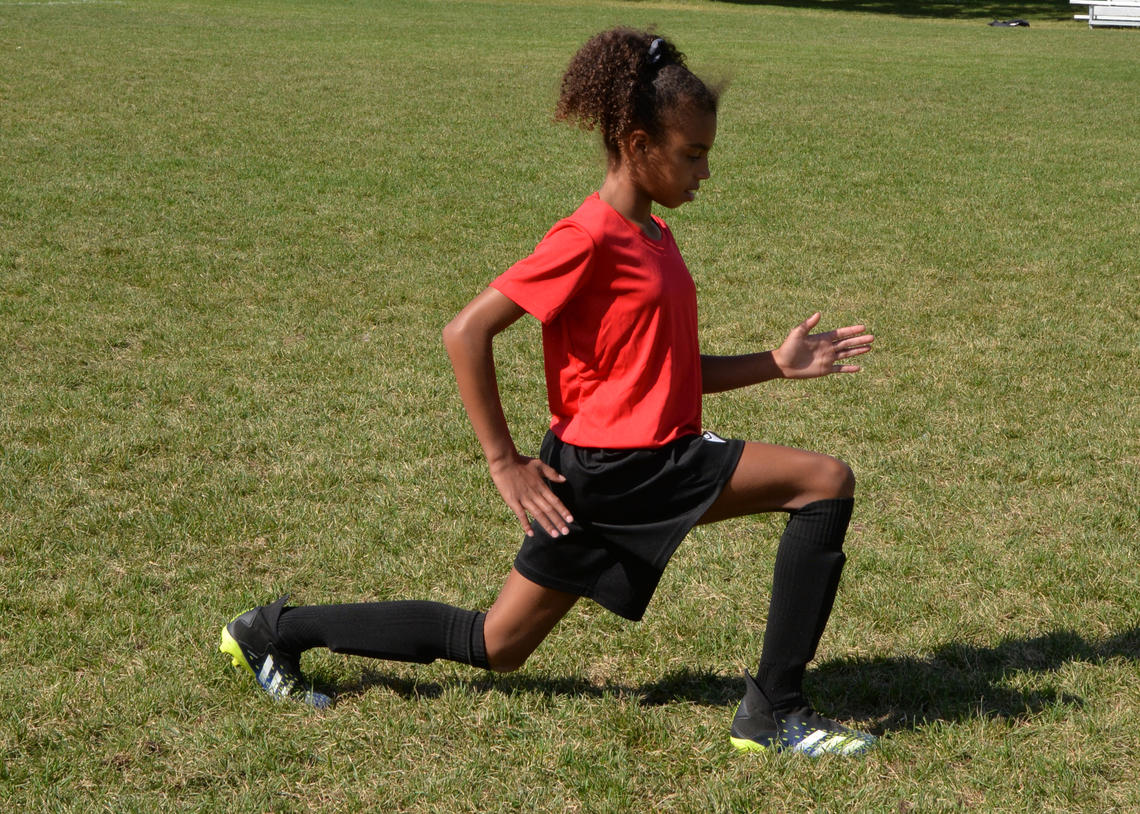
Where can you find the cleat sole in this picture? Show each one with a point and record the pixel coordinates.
(746, 745)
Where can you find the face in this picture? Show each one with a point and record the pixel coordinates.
(676, 164)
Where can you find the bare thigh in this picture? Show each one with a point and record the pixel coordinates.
(771, 478)
(521, 617)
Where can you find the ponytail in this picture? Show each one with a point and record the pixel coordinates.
(622, 80)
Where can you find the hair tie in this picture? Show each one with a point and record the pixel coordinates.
(656, 52)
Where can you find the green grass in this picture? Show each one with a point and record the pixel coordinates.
(229, 236)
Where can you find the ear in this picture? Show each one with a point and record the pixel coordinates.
(635, 145)
(638, 142)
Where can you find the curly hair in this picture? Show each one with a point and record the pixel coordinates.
(622, 80)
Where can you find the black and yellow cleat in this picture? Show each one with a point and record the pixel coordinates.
(756, 729)
(250, 640)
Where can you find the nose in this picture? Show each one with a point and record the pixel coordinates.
(703, 169)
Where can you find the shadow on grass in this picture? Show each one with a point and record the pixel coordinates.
(956, 682)
(941, 9)
(960, 681)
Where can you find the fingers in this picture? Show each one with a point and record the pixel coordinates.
(549, 513)
(853, 341)
(846, 353)
(847, 342)
(524, 521)
(850, 336)
(548, 507)
(523, 486)
(550, 473)
(844, 343)
(849, 331)
(842, 352)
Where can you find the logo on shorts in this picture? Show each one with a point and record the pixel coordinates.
(708, 435)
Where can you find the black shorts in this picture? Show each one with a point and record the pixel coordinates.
(631, 508)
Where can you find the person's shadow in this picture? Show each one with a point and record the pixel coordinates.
(955, 682)
(958, 681)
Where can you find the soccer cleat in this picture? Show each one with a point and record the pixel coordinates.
(251, 642)
(755, 729)
(808, 732)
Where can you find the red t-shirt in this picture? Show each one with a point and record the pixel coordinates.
(619, 330)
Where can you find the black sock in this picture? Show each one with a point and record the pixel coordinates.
(809, 561)
(405, 630)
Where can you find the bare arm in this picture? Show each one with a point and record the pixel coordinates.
(522, 481)
(803, 355)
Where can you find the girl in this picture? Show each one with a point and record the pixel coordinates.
(626, 469)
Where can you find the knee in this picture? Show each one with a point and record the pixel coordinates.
(506, 654)
(836, 480)
(506, 660)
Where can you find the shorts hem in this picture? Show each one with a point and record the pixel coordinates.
(538, 578)
(547, 581)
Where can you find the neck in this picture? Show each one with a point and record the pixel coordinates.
(619, 191)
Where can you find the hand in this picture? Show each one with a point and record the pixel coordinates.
(522, 482)
(805, 355)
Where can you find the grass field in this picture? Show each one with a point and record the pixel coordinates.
(230, 233)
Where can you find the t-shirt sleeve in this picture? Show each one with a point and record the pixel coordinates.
(544, 282)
